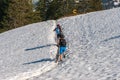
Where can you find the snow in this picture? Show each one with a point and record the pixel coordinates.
(116, 3)
(27, 53)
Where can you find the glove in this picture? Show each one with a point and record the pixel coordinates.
(57, 45)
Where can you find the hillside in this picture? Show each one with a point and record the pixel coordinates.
(27, 53)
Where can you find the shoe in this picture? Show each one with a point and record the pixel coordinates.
(64, 56)
(56, 61)
(61, 60)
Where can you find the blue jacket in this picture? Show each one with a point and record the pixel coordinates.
(57, 30)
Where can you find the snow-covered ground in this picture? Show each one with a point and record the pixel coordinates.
(27, 53)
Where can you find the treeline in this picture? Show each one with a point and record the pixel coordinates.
(16, 13)
(60, 8)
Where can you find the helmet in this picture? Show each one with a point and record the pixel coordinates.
(58, 24)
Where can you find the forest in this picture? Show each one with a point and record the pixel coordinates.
(17, 13)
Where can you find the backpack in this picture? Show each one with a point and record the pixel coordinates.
(61, 35)
(62, 42)
(57, 30)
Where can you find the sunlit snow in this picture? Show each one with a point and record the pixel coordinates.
(93, 42)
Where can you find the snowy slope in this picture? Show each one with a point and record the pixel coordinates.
(25, 50)
(93, 42)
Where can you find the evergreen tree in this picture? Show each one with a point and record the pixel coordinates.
(95, 5)
(19, 13)
(41, 8)
(49, 9)
(89, 5)
(3, 8)
(54, 10)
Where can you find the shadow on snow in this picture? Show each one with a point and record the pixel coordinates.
(38, 61)
(115, 37)
(48, 45)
